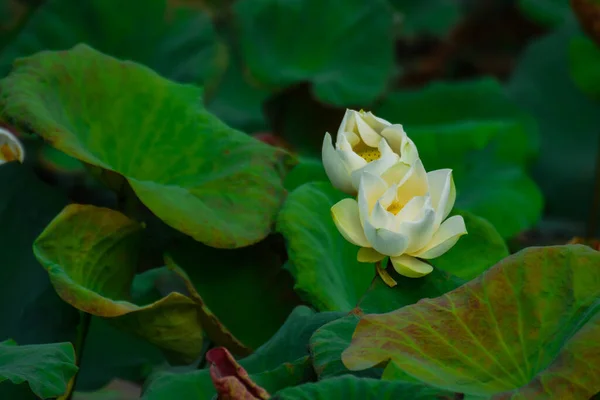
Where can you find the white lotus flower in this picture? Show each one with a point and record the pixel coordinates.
(401, 214)
(11, 148)
(364, 143)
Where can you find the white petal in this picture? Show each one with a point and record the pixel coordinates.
(346, 218)
(395, 136)
(381, 218)
(419, 232)
(379, 124)
(335, 168)
(442, 192)
(414, 183)
(367, 134)
(410, 266)
(385, 241)
(11, 148)
(348, 122)
(443, 240)
(351, 160)
(412, 211)
(367, 255)
(371, 188)
(409, 153)
(396, 173)
(352, 139)
(388, 159)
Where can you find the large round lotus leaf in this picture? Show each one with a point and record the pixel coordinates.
(321, 261)
(198, 175)
(91, 256)
(343, 47)
(46, 367)
(527, 328)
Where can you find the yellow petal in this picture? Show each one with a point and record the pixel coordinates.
(346, 218)
(334, 167)
(410, 266)
(388, 159)
(368, 255)
(396, 173)
(443, 240)
(11, 148)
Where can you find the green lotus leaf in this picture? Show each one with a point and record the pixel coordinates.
(527, 327)
(321, 261)
(198, 175)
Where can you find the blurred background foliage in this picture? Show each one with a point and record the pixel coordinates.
(507, 93)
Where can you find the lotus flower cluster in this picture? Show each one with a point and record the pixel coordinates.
(400, 210)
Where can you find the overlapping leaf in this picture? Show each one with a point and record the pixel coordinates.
(526, 326)
(177, 41)
(484, 137)
(195, 173)
(90, 254)
(326, 54)
(321, 261)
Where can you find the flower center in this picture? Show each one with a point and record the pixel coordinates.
(395, 207)
(370, 155)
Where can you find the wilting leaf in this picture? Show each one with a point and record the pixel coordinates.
(322, 262)
(91, 255)
(46, 367)
(177, 42)
(243, 295)
(352, 388)
(326, 54)
(528, 325)
(230, 379)
(473, 253)
(195, 173)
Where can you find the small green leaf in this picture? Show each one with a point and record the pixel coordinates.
(432, 17)
(475, 252)
(91, 255)
(527, 326)
(327, 344)
(546, 12)
(243, 295)
(321, 261)
(46, 367)
(584, 63)
(352, 388)
(326, 54)
(179, 159)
